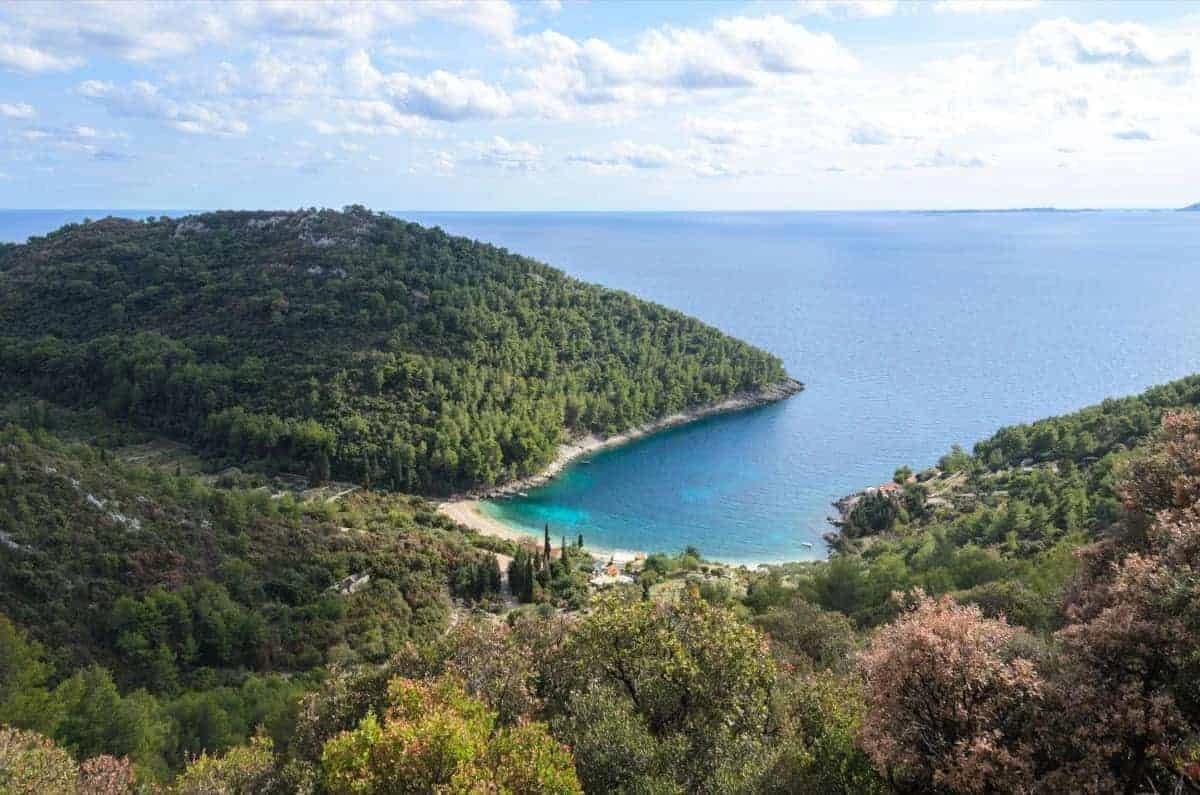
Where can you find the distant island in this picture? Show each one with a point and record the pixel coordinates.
(1191, 208)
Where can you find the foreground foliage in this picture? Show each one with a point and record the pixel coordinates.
(434, 737)
(1019, 623)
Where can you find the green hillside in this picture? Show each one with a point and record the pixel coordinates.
(318, 641)
(348, 344)
(231, 575)
(998, 526)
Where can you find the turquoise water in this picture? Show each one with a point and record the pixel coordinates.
(911, 331)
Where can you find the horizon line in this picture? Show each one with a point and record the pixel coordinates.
(613, 211)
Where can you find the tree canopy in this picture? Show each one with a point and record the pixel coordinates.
(349, 344)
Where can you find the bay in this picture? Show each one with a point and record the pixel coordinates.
(911, 331)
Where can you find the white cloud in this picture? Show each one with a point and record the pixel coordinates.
(41, 142)
(758, 97)
(625, 156)
(273, 75)
(30, 59)
(367, 117)
(1133, 135)
(772, 44)
(440, 96)
(733, 54)
(347, 20)
(1061, 42)
(510, 155)
(445, 96)
(48, 36)
(724, 132)
(983, 6)
(17, 110)
(851, 9)
(942, 159)
(144, 100)
(865, 134)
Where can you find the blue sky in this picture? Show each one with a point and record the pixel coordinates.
(804, 104)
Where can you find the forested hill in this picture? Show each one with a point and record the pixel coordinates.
(348, 344)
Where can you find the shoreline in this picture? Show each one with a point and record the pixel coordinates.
(465, 509)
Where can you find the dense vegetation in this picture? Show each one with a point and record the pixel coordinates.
(1021, 618)
(206, 602)
(1021, 622)
(1000, 527)
(348, 344)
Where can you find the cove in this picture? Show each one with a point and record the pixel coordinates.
(911, 331)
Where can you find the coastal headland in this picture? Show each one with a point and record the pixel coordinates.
(465, 508)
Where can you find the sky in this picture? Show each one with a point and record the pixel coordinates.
(450, 105)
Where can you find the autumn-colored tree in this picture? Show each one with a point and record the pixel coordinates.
(1129, 716)
(434, 737)
(348, 694)
(242, 770)
(494, 665)
(948, 702)
(31, 764)
(107, 775)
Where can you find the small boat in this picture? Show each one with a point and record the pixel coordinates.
(522, 494)
(806, 544)
(586, 461)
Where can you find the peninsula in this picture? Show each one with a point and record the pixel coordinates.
(355, 346)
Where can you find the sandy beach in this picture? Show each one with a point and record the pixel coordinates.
(465, 509)
(467, 512)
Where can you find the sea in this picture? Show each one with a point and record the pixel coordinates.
(911, 331)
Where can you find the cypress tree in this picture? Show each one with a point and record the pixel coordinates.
(546, 530)
(321, 470)
(516, 572)
(527, 591)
